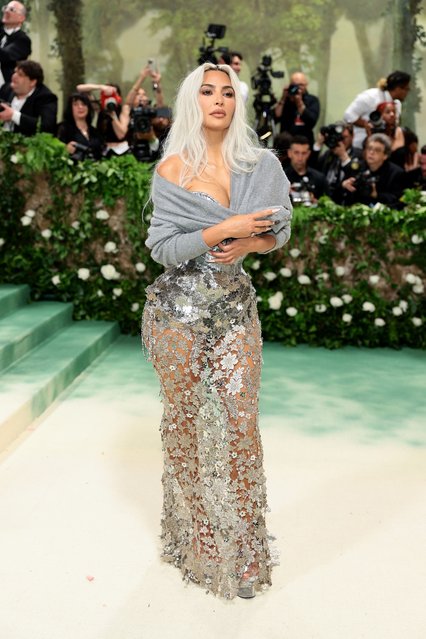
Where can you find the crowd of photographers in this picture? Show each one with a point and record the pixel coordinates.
(366, 157)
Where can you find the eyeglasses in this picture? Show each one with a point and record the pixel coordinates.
(6, 7)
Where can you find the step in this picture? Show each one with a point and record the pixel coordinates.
(28, 387)
(13, 296)
(28, 326)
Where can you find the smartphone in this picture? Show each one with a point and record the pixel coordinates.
(152, 65)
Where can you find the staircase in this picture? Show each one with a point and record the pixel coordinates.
(41, 352)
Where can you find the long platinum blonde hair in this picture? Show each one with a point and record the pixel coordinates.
(240, 148)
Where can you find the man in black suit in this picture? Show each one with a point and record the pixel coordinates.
(15, 45)
(297, 111)
(306, 184)
(26, 104)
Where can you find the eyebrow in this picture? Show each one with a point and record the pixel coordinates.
(213, 86)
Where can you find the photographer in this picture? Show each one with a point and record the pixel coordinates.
(307, 185)
(384, 120)
(376, 179)
(76, 131)
(338, 138)
(298, 111)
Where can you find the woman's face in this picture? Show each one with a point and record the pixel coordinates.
(389, 114)
(217, 100)
(79, 110)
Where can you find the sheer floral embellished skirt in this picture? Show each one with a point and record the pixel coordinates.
(201, 330)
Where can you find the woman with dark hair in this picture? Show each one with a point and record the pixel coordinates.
(386, 115)
(217, 195)
(407, 157)
(76, 131)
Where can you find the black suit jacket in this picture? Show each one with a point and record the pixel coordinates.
(41, 107)
(308, 118)
(17, 47)
(390, 184)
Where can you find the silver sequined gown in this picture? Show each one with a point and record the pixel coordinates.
(201, 329)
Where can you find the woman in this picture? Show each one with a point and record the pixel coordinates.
(202, 332)
(386, 113)
(82, 139)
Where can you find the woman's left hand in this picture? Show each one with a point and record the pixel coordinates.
(229, 253)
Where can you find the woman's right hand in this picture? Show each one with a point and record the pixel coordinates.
(71, 147)
(248, 224)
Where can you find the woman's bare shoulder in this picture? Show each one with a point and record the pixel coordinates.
(171, 169)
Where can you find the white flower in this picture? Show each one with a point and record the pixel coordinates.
(30, 213)
(99, 293)
(336, 302)
(417, 321)
(304, 279)
(347, 298)
(285, 272)
(418, 289)
(323, 239)
(117, 292)
(109, 272)
(25, 220)
(14, 159)
(258, 298)
(403, 305)
(379, 321)
(276, 300)
(2, 241)
(320, 308)
(369, 307)
(135, 307)
(269, 276)
(46, 233)
(75, 224)
(340, 271)
(56, 280)
(140, 267)
(291, 311)
(346, 317)
(294, 252)
(110, 247)
(379, 207)
(374, 279)
(416, 239)
(411, 278)
(322, 276)
(102, 214)
(83, 273)
(256, 265)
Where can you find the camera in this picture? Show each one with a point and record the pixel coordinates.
(82, 152)
(213, 32)
(261, 80)
(364, 181)
(377, 121)
(293, 89)
(333, 134)
(110, 102)
(300, 192)
(2, 103)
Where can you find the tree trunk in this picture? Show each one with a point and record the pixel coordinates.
(68, 15)
(373, 68)
(404, 38)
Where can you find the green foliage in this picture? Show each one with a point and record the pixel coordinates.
(74, 232)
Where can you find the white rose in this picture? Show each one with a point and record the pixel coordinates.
(340, 271)
(379, 321)
(56, 280)
(294, 252)
(109, 272)
(14, 159)
(140, 267)
(403, 305)
(102, 214)
(256, 265)
(117, 291)
(304, 279)
(411, 278)
(336, 302)
(368, 307)
(323, 239)
(46, 233)
(30, 213)
(258, 298)
(2, 241)
(25, 220)
(291, 311)
(75, 224)
(276, 300)
(347, 298)
(285, 272)
(346, 317)
(322, 276)
(378, 207)
(110, 247)
(135, 307)
(374, 279)
(417, 321)
(83, 273)
(99, 293)
(320, 308)
(269, 276)
(416, 239)
(418, 289)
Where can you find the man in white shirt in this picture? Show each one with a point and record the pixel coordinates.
(394, 88)
(15, 45)
(236, 61)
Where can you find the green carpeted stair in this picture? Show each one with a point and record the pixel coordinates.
(41, 352)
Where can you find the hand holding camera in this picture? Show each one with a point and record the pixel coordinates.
(6, 112)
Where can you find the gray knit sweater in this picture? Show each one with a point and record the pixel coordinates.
(179, 216)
